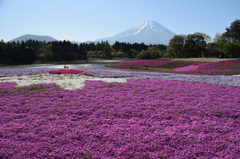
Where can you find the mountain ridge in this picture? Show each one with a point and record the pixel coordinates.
(34, 37)
(148, 32)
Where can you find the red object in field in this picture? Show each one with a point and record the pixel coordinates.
(66, 71)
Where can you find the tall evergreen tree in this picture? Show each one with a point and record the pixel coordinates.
(232, 33)
(28, 56)
(116, 46)
(2, 55)
(82, 54)
(11, 53)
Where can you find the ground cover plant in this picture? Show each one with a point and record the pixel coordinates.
(26, 71)
(226, 67)
(68, 79)
(161, 65)
(133, 114)
(66, 71)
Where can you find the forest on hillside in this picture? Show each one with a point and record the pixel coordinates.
(225, 45)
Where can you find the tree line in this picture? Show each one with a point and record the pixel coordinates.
(225, 45)
(30, 51)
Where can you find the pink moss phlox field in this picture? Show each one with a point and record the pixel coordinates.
(189, 67)
(217, 79)
(211, 67)
(218, 67)
(218, 63)
(66, 71)
(158, 63)
(186, 68)
(149, 63)
(24, 71)
(142, 118)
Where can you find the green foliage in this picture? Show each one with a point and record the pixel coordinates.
(2, 55)
(175, 48)
(144, 55)
(81, 53)
(223, 47)
(213, 50)
(91, 54)
(48, 56)
(151, 53)
(117, 46)
(106, 49)
(232, 50)
(232, 33)
(63, 51)
(194, 46)
(199, 44)
(154, 52)
(132, 53)
(42, 57)
(65, 66)
(206, 37)
(31, 51)
(118, 54)
(28, 56)
(11, 54)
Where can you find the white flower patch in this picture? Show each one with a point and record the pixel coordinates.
(66, 81)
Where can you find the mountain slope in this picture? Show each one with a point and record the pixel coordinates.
(148, 32)
(33, 37)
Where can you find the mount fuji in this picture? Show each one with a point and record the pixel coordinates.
(148, 32)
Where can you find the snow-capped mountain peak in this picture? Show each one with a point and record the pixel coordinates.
(148, 32)
(146, 26)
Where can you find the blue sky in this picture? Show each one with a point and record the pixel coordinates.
(83, 20)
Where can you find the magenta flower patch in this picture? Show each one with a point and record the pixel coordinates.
(158, 63)
(218, 64)
(186, 68)
(140, 118)
(220, 67)
(66, 71)
(227, 67)
(143, 63)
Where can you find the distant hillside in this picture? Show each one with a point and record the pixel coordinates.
(33, 37)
